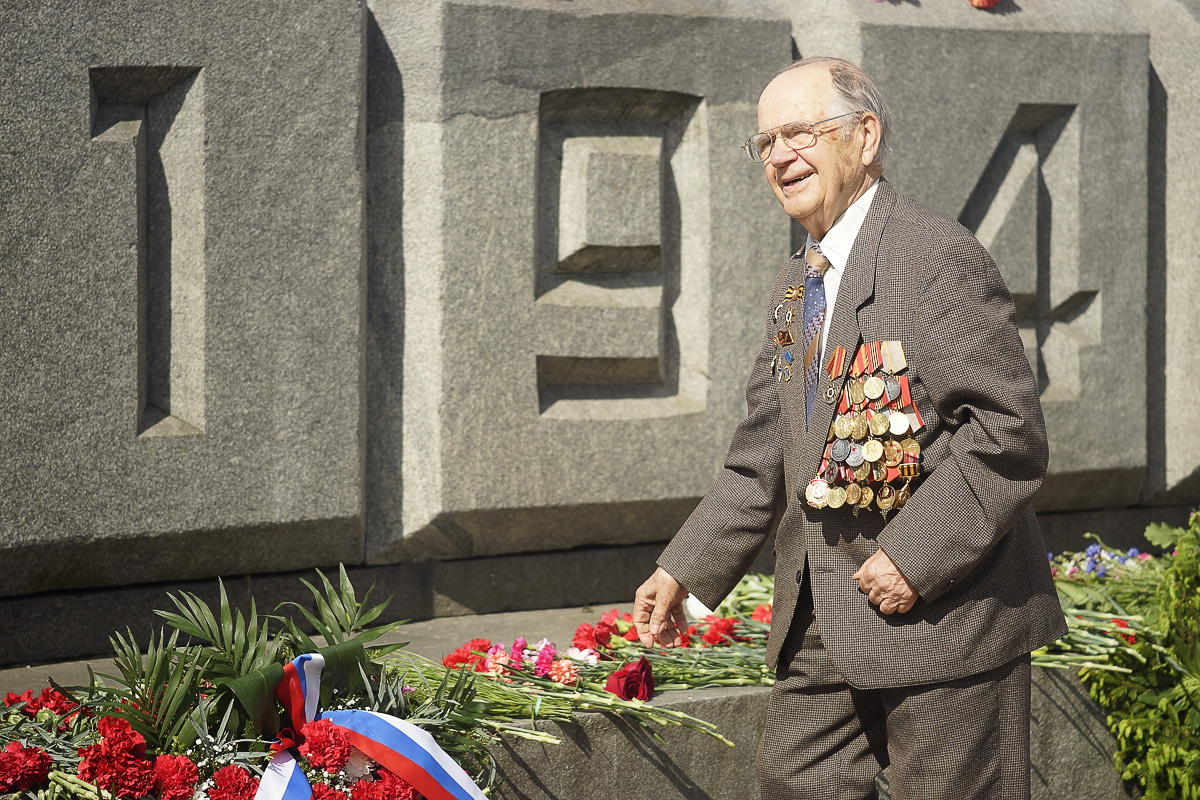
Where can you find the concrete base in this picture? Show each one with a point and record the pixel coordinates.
(54, 626)
(604, 756)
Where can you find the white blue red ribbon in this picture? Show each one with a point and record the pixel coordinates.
(401, 747)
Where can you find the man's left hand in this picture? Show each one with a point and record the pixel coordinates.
(884, 585)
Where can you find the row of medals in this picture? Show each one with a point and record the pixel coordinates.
(858, 443)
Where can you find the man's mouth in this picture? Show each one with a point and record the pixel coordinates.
(794, 182)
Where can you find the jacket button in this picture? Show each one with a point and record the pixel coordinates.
(799, 576)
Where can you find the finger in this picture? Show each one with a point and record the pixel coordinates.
(680, 624)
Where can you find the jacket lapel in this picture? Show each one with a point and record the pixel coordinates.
(856, 288)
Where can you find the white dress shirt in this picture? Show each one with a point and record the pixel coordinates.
(836, 246)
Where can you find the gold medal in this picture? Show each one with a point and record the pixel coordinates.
(862, 472)
(817, 493)
(867, 496)
(879, 472)
(880, 424)
(837, 497)
(857, 396)
(873, 450)
(885, 498)
(898, 423)
(903, 495)
(910, 447)
(843, 426)
(874, 387)
(893, 454)
(860, 427)
(853, 494)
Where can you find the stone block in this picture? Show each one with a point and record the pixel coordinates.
(1173, 275)
(1028, 125)
(568, 286)
(184, 254)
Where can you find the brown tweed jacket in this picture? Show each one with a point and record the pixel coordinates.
(967, 539)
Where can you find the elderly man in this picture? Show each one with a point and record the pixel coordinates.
(893, 411)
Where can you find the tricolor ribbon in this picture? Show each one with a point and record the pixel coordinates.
(399, 746)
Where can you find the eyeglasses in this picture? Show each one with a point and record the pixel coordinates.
(796, 135)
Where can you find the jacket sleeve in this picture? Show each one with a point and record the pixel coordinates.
(971, 361)
(722, 537)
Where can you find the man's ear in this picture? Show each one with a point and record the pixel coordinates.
(872, 130)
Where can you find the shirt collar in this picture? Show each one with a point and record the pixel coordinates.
(839, 240)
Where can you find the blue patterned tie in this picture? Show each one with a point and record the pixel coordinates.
(814, 319)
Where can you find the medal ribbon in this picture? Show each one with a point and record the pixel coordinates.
(893, 356)
(836, 362)
(399, 746)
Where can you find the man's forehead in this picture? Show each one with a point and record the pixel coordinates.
(795, 94)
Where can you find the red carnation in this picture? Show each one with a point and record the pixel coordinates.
(118, 763)
(388, 787)
(22, 768)
(762, 613)
(634, 681)
(327, 746)
(177, 777)
(233, 783)
(585, 638)
(52, 699)
(471, 654)
(720, 631)
(1128, 637)
(12, 698)
(604, 633)
(323, 791)
(986, 5)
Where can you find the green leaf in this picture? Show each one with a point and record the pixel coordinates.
(1162, 535)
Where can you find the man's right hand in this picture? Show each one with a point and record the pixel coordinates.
(658, 610)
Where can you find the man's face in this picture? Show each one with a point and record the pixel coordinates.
(816, 184)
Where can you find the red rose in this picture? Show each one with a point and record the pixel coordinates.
(233, 783)
(634, 681)
(762, 613)
(177, 777)
(22, 768)
(323, 791)
(327, 746)
(585, 638)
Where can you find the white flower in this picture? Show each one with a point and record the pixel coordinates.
(358, 766)
(588, 656)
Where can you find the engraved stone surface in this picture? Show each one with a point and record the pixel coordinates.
(582, 251)
(1173, 276)
(182, 239)
(1030, 128)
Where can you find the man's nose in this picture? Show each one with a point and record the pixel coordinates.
(781, 153)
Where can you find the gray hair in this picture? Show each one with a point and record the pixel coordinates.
(854, 91)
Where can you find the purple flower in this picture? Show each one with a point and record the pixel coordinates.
(1100, 570)
(1093, 550)
(1091, 565)
(1049, 556)
(1133, 552)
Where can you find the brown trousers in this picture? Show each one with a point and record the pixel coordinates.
(966, 739)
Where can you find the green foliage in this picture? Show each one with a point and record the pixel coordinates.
(234, 645)
(340, 616)
(1154, 707)
(159, 693)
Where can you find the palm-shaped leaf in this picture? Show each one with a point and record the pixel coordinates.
(159, 691)
(235, 645)
(340, 616)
